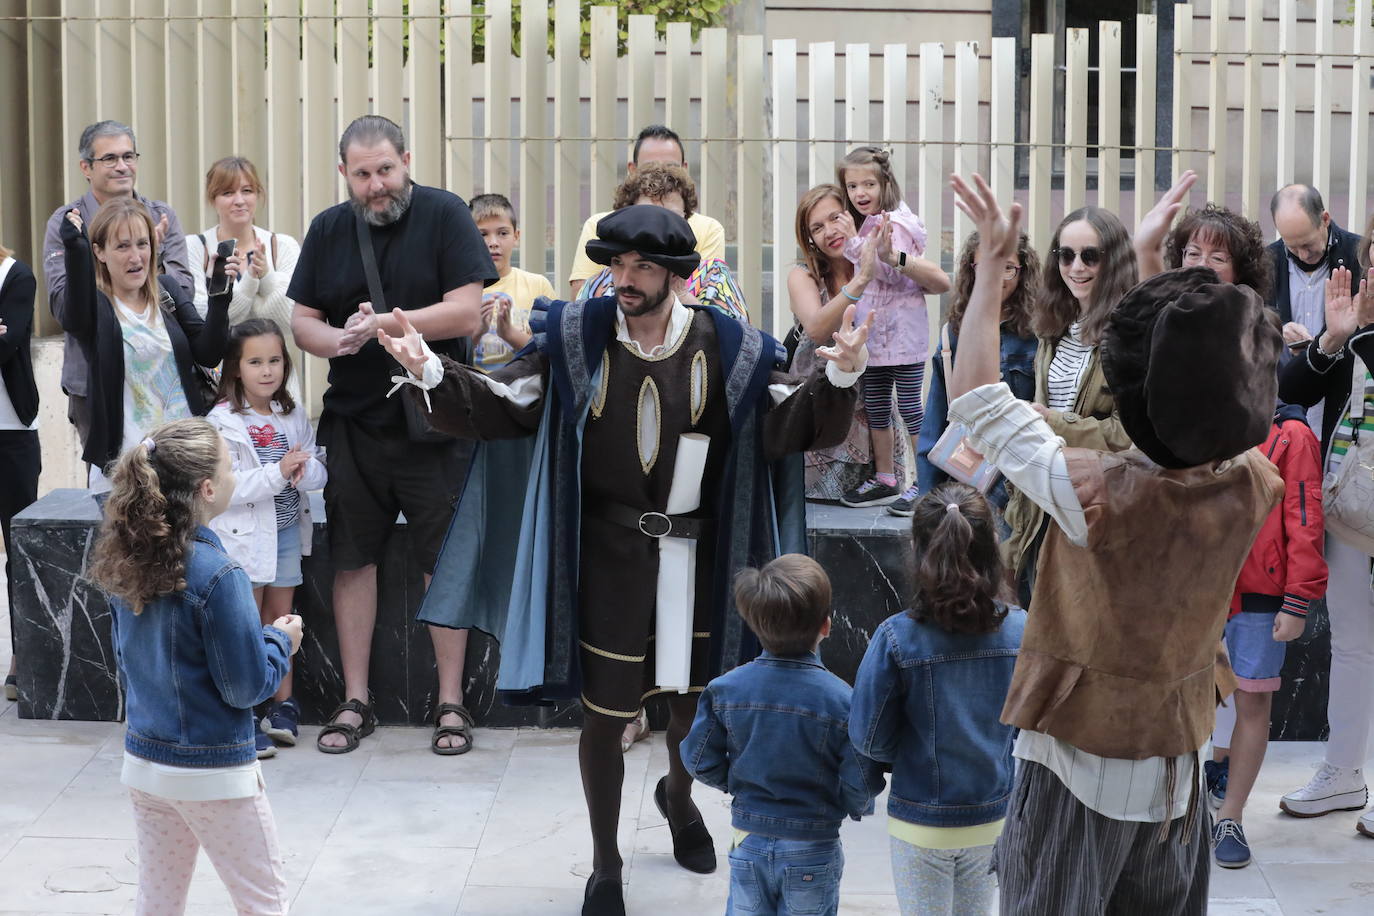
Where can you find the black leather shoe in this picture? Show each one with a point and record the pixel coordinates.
(692, 844)
(604, 896)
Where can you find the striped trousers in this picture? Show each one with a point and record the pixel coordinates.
(1058, 856)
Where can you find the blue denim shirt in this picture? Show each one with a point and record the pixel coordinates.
(927, 702)
(1018, 371)
(194, 664)
(774, 734)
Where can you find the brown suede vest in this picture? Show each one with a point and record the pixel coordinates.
(1119, 655)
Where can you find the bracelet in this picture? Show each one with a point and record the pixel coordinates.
(848, 295)
(1339, 350)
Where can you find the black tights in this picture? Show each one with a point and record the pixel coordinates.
(603, 775)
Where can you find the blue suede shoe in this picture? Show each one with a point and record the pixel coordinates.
(265, 746)
(1217, 776)
(1229, 846)
(281, 722)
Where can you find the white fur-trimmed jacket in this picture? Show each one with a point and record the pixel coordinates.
(248, 527)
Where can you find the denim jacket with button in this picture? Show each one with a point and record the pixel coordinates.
(928, 702)
(774, 734)
(195, 663)
(1018, 371)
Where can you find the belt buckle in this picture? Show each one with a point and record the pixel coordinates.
(658, 518)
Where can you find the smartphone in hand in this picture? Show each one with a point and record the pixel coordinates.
(219, 280)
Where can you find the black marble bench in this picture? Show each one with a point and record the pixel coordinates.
(61, 625)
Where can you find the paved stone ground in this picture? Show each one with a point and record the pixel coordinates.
(394, 829)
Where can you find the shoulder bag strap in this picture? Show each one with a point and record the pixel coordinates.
(205, 243)
(945, 356)
(274, 251)
(374, 279)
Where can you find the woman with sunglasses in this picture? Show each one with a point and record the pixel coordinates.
(1091, 265)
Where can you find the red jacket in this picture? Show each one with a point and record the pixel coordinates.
(1286, 569)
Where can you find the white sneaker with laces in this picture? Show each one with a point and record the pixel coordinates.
(1365, 824)
(1331, 789)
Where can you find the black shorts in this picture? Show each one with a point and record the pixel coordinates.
(374, 475)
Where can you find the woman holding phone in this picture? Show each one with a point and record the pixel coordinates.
(142, 334)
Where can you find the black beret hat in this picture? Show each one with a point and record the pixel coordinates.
(654, 233)
(1192, 364)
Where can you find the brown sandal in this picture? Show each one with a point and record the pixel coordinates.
(463, 730)
(353, 734)
(636, 731)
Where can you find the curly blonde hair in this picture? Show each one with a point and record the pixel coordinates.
(153, 512)
(656, 180)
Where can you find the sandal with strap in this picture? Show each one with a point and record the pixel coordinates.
(353, 734)
(636, 731)
(463, 730)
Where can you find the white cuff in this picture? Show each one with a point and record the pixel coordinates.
(841, 379)
(430, 375)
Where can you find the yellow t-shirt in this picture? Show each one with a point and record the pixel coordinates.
(523, 287)
(710, 244)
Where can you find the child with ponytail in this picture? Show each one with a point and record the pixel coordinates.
(898, 343)
(193, 660)
(927, 700)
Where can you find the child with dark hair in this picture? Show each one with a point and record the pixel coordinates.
(773, 733)
(507, 303)
(194, 660)
(927, 701)
(267, 527)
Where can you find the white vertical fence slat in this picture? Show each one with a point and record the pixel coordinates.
(965, 125)
(857, 121)
(423, 89)
(1183, 100)
(606, 93)
(932, 173)
(1217, 70)
(1002, 115)
(1075, 119)
(1038, 215)
(568, 154)
(213, 90)
(751, 175)
(458, 75)
(148, 51)
(352, 70)
(283, 116)
(387, 54)
(496, 175)
(643, 45)
(80, 62)
(534, 165)
(1288, 93)
(714, 188)
(677, 95)
(319, 136)
(894, 106)
(1359, 117)
(1321, 101)
(1252, 167)
(179, 74)
(820, 108)
(1145, 74)
(784, 180)
(1109, 116)
(250, 78)
(114, 53)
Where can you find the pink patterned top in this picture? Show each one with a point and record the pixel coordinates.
(901, 331)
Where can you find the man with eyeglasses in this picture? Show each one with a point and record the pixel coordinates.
(109, 160)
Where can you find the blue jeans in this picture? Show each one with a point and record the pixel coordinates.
(786, 877)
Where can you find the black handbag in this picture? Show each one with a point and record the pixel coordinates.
(418, 427)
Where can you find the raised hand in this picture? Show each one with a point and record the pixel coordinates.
(1342, 315)
(160, 230)
(258, 262)
(409, 348)
(1155, 225)
(998, 234)
(1364, 301)
(74, 217)
(850, 350)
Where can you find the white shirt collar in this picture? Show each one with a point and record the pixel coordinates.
(678, 320)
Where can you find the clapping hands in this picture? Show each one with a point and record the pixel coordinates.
(292, 465)
(360, 327)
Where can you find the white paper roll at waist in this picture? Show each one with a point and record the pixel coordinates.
(677, 564)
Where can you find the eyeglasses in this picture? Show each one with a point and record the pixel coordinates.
(110, 160)
(1090, 256)
(1009, 271)
(1192, 257)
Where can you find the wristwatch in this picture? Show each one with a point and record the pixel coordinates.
(901, 259)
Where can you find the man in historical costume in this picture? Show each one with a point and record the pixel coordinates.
(602, 552)
(1115, 686)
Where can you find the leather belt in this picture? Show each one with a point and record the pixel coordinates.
(652, 524)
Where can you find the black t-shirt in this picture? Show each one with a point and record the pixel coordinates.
(433, 248)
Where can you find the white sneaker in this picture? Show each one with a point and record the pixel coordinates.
(1331, 789)
(1365, 824)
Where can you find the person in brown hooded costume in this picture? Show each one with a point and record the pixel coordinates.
(1115, 686)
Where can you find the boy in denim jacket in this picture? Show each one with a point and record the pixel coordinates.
(774, 734)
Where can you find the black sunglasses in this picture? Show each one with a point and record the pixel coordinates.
(1090, 255)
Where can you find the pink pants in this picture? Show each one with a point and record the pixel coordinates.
(239, 836)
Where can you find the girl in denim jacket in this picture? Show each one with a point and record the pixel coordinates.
(927, 700)
(194, 661)
(896, 297)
